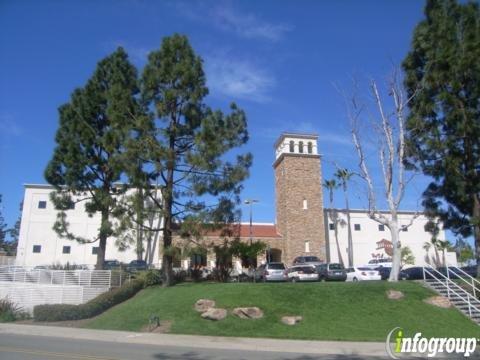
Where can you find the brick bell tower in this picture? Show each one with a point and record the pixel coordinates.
(299, 197)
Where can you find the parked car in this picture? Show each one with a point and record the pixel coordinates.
(271, 272)
(413, 273)
(41, 267)
(362, 273)
(304, 260)
(302, 273)
(382, 262)
(111, 265)
(385, 273)
(331, 271)
(137, 265)
(470, 270)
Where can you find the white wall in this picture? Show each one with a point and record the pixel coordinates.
(36, 229)
(364, 240)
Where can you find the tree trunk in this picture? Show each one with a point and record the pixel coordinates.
(167, 262)
(396, 258)
(102, 242)
(340, 257)
(349, 230)
(476, 231)
(140, 224)
(167, 259)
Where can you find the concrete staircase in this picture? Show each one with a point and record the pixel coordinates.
(462, 297)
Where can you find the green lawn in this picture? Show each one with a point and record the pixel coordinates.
(331, 311)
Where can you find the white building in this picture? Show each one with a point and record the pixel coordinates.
(303, 226)
(368, 237)
(40, 245)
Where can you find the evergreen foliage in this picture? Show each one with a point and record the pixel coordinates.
(184, 145)
(89, 157)
(443, 78)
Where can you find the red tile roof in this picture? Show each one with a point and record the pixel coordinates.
(258, 231)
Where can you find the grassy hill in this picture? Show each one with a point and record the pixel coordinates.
(331, 311)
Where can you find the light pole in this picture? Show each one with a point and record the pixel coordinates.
(251, 202)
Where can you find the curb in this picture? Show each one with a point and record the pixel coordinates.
(208, 342)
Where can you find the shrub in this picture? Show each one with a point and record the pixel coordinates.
(61, 312)
(151, 277)
(221, 274)
(179, 276)
(196, 275)
(9, 311)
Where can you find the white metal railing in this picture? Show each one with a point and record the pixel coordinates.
(89, 278)
(7, 260)
(453, 288)
(28, 288)
(470, 282)
(27, 296)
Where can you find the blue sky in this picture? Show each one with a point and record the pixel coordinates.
(278, 60)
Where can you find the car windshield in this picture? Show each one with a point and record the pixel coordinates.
(307, 269)
(276, 266)
(336, 267)
(363, 268)
(311, 259)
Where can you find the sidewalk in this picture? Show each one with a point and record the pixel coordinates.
(208, 342)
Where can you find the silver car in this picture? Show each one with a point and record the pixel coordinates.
(271, 272)
(302, 273)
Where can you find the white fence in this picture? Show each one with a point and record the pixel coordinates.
(29, 288)
(7, 260)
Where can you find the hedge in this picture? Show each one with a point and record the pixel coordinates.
(61, 312)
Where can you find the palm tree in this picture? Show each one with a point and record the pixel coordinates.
(331, 185)
(343, 176)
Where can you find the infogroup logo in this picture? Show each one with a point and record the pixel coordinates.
(397, 344)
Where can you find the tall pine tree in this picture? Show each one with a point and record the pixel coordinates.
(89, 157)
(187, 146)
(443, 77)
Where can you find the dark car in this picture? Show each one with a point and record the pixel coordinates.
(137, 265)
(470, 270)
(306, 260)
(414, 273)
(111, 265)
(331, 272)
(385, 273)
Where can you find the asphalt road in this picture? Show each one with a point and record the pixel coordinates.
(26, 347)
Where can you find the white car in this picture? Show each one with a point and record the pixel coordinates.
(302, 273)
(362, 273)
(382, 262)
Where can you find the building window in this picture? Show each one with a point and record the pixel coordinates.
(42, 204)
(37, 249)
(95, 250)
(305, 204)
(310, 147)
(307, 246)
(381, 227)
(300, 147)
(292, 146)
(356, 227)
(331, 226)
(66, 250)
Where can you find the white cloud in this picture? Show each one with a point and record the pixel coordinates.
(8, 126)
(227, 18)
(238, 79)
(247, 25)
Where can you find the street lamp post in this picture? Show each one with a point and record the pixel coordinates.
(251, 202)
